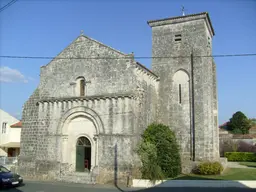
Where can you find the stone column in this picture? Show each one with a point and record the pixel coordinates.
(64, 151)
(127, 124)
(96, 138)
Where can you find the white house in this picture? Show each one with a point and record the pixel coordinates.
(10, 129)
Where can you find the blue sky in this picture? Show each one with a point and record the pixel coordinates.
(44, 28)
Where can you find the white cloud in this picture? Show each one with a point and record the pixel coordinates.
(9, 75)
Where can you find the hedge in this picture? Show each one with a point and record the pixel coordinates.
(241, 156)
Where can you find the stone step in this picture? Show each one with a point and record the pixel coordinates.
(77, 177)
(82, 174)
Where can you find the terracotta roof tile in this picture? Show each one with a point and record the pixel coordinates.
(17, 125)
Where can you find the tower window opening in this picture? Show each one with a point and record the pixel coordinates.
(82, 86)
(180, 93)
(178, 37)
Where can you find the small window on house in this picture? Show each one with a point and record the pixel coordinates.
(180, 93)
(4, 127)
(177, 37)
(82, 87)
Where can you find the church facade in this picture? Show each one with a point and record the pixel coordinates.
(93, 103)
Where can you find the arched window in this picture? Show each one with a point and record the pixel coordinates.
(83, 141)
(80, 86)
(181, 85)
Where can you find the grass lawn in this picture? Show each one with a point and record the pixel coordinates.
(248, 164)
(228, 174)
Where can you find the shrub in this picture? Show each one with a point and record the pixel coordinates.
(241, 156)
(159, 152)
(148, 155)
(209, 168)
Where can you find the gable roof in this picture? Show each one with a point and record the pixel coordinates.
(75, 40)
(144, 68)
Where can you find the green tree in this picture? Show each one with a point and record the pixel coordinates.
(159, 145)
(150, 168)
(239, 123)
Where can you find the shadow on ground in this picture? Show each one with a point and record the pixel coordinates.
(190, 177)
(251, 166)
(194, 189)
(12, 189)
(167, 185)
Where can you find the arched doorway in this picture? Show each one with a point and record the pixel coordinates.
(83, 154)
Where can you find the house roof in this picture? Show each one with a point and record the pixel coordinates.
(246, 136)
(181, 18)
(223, 125)
(221, 129)
(17, 125)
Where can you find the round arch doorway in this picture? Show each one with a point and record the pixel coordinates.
(83, 154)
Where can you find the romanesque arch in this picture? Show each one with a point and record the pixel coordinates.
(77, 123)
(181, 86)
(80, 111)
(181, 75)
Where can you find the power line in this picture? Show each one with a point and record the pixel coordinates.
(125, 57)
(8, 5)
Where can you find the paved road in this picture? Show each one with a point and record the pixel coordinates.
(64, 187)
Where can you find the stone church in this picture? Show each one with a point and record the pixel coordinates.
(93, 102)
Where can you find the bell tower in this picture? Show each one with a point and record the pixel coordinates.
(181, 51)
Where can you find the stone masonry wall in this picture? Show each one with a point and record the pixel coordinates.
(107, 75)
(29, 133)
(121, 96)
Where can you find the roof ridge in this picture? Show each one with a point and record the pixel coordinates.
(151, 22)
(66, 47)
(146, 69)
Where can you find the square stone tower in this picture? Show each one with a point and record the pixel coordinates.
(181, 51)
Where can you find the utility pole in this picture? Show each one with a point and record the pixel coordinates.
(193, 106)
